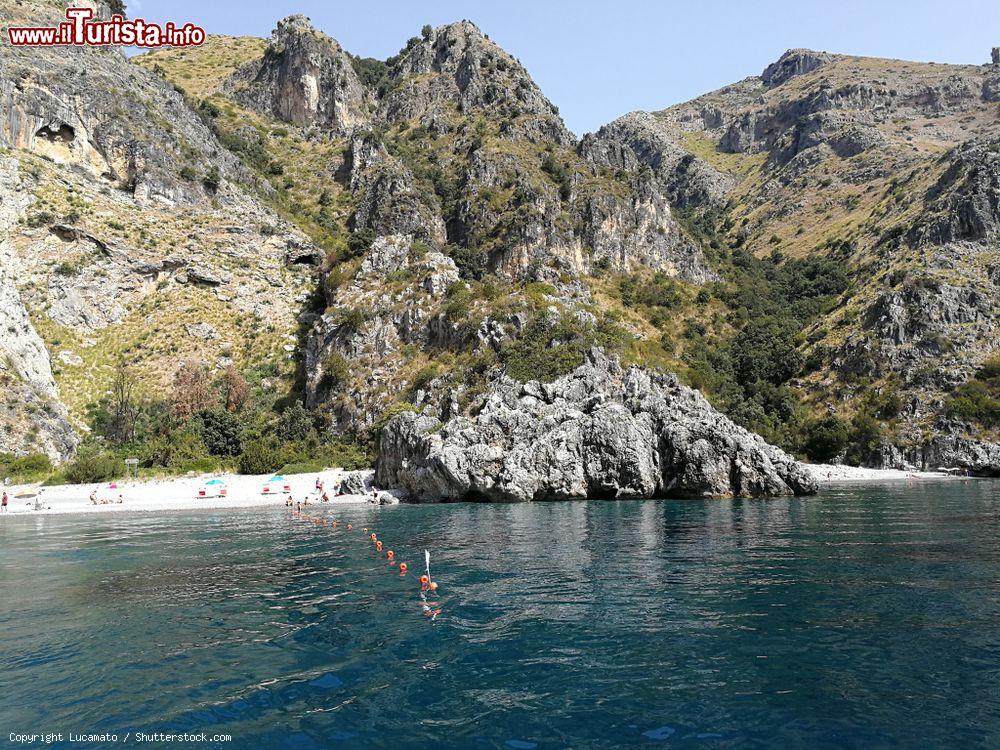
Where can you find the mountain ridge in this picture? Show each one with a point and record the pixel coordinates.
(801, 245)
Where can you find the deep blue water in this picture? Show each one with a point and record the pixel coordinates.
(862, 618)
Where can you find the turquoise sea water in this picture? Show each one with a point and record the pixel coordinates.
(862, 618)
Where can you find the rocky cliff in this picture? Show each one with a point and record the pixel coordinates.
(886, 167)
(813, 247)
(304, 78)
(600, 432)
(129, 234)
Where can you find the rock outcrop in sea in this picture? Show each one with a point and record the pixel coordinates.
(603, 431)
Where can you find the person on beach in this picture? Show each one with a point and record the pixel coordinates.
(93, 497)
(288, 502)
(121, 499)
(326, 498)
(319, 484)
(3, 503)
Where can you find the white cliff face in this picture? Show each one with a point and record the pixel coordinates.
(33, 419)
(19, 342)
(305, 79)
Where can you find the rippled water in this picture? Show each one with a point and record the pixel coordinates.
(861, 618)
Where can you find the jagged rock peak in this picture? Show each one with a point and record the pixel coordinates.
(304, 78)
(456, 64)
(795, 62)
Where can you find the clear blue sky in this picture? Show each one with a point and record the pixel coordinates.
(598, 60)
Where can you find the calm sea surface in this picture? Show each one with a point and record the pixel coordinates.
(862, 618)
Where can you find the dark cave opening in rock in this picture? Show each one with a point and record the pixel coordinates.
(62, 134)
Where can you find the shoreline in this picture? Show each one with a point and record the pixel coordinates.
(839, 473)
(175, 494)
(244, 491)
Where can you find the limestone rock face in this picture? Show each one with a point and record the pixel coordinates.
(457, 67)
(32, 418)
(965, 201)
(638, 140)
(600, 432)
(390, 202)
(795, 62)
(305, 78)
(68, 107)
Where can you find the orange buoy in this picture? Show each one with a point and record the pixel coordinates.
(390, 554)
(334, 524)
(374, 538)
(433, 586)
(402, 569)
(378, 546)
(365, 529)
(424, 582)
(349, 527)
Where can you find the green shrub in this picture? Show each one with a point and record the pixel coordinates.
(336, 371)
(978, 400)
(303, 467)
(545, 351)
(825, 438)
(212, 179)
(91, 464)
(260, 457)
(29, 467)
(359, 242)
(470, 261)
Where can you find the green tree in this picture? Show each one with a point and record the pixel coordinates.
(220, 432)
(295, 423)
(825, 438)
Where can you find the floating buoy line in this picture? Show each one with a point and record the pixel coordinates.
(428, 586)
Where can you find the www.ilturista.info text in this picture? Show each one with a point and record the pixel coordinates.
(80, 30)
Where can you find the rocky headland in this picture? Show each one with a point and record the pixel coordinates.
(603, 431)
